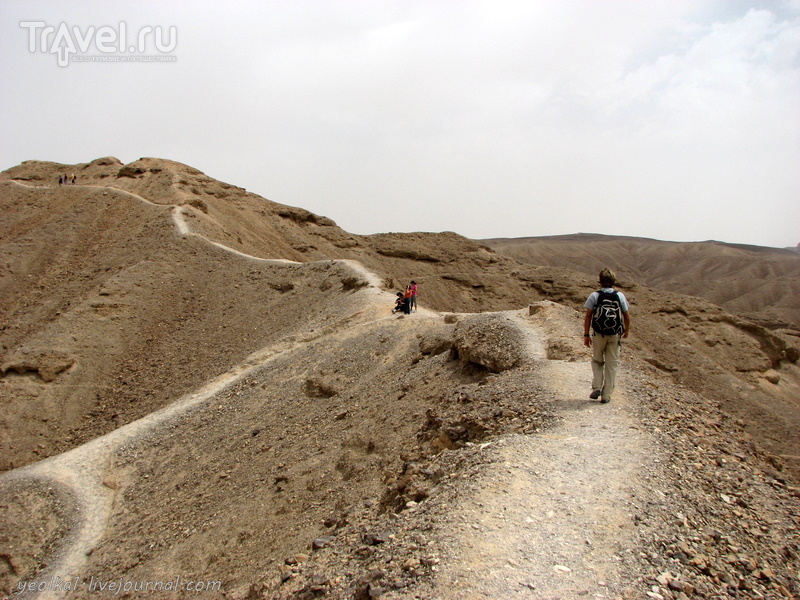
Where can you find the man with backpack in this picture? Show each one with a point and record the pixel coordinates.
(607, 315)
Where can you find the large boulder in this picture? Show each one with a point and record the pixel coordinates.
(491, 340)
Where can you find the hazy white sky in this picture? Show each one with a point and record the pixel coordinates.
(672, 119)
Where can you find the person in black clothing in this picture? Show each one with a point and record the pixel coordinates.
(400, 303)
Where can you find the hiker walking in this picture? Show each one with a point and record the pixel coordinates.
(72, 179)
(414, 295)
(607, 315)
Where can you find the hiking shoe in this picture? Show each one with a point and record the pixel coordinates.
(595, 394)
(605, 400)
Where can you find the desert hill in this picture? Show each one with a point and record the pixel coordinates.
(228, 377)
(758, 282)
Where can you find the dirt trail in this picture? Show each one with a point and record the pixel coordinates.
(80, 473)
(666, 492)
(549, 517)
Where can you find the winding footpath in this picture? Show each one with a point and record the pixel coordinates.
(80, 472)
(550, 517)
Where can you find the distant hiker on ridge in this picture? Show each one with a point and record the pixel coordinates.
(607, 315)
(414, 295)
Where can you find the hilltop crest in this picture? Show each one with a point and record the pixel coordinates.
(193, 342)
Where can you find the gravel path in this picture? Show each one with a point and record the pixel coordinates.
(551, 518)
(80, 473)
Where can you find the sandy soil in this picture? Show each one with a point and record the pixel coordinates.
(224, 396)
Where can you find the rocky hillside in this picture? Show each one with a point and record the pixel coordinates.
(98, 267)
(144, 284)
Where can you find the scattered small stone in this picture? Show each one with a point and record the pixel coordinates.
(676, 585)
(373, 539)
(411, 564)
(322, 542)
(562, 569)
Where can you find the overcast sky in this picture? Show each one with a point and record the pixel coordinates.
(676, 120)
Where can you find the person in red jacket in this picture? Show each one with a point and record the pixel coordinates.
(407, 296)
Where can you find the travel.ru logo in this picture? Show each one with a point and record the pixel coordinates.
(109, 44)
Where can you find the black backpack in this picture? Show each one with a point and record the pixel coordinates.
(607, 314)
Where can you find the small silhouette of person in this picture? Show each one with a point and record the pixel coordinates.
(60, 180)
(72, 179)
(414, 295)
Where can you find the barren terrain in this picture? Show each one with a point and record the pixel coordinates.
(200, 383)
(760, 283)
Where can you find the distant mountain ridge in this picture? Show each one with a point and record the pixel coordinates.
(760, 282)
(311, 413)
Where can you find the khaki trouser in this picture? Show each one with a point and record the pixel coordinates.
(605, 363)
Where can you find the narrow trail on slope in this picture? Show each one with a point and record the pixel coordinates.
(550, 516)
(80, 473)
(548, 519)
